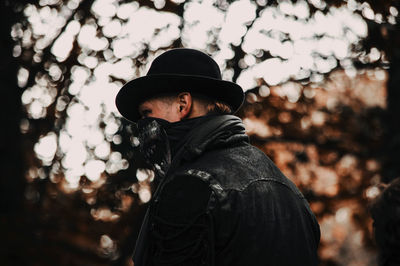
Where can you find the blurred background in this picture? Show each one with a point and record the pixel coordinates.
(322, 100)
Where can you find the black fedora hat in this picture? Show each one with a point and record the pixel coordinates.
(178, 70)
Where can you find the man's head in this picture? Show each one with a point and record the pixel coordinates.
(178, 106)
(160, 138)
(190, 75)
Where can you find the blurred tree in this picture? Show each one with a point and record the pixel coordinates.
(73, 182)
(11, 114)
(13, 165)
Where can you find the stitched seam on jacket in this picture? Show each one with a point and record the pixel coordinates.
(267, 180)
(207, 177)
(217, 188)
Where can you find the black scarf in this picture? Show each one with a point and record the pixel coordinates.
(160, 140)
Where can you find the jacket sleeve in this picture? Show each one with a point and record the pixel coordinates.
(181, 227)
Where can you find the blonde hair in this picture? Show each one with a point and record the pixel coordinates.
(218, 107)
(212, 106)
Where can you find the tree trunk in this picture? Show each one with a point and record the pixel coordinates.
(12, 166)
(391, 165)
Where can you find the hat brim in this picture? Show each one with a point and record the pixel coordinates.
(136, 91)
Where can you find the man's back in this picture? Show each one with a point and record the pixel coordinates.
(228, 204)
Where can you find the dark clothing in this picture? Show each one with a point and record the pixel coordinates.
(224, 202)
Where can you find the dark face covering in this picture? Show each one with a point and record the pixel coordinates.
(154, 144)
(161, 140)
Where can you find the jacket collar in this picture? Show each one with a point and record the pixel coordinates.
(217, 131)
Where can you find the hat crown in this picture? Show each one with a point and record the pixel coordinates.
(185, 62)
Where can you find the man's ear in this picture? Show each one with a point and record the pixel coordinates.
(185, 104)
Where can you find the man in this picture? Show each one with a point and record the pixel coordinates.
(220, 201)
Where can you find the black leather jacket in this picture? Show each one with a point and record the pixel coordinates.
(224, 202)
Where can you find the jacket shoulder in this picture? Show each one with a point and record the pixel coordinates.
(236, 167)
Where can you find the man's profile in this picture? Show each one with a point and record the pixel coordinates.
(220, 201)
